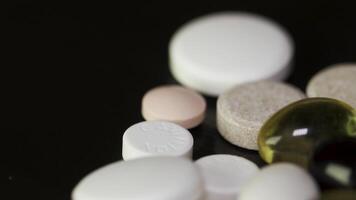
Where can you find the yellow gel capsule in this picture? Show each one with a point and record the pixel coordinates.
(293, 133)
(339, 195)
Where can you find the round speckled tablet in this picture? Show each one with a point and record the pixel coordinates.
(337, 81)
(175, 104)
(156, 138)
(242, 110)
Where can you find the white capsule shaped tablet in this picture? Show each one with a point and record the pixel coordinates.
(155, 178)
(215, 52)
(280, 181)
(224, 175)
(156, 138)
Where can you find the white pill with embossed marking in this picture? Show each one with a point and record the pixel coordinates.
(224, 175)
(154, 178)
(156, 138)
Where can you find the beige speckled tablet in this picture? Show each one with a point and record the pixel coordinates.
(337, 81)
(175, 104)
(242, 110)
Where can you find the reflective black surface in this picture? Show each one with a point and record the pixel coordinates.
(73, 74)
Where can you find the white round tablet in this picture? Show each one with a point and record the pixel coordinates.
(156, 138)
(337, 81)
(155, 178)
(280, 182)
(224, 175)
(217, 51)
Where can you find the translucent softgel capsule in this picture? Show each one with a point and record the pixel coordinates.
(339, 195)
(292, 133)
(333, 163)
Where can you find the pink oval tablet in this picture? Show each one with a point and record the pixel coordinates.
(175, 104)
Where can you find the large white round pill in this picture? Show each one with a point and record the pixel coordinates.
(156, 138)
(217, 51)
(280, 182)
(155, 178)
(337, 81)
(224, 175)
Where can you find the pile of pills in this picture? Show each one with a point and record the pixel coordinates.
(307, 139)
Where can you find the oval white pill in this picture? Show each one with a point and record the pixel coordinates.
(174, 103)
(156, 178)
(242, 110)
(224, 175)
(337, 81)
(156, 138)
(280, 182)
(217, 51)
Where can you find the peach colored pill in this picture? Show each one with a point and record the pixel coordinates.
(175, 104)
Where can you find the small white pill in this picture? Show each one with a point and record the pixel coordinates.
(155, 178)
(280, 181)
(224, 175)
(337, 81)
(156, 138)
(215, 52)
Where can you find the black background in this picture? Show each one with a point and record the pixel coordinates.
(73, 74)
